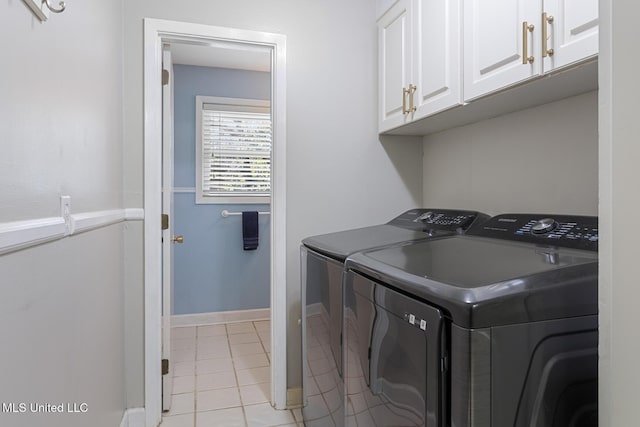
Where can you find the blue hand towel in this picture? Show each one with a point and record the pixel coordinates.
(250, 230)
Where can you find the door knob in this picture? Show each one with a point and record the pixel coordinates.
(177, 239)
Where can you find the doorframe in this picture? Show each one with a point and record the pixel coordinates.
(157, 32)
(167, 234)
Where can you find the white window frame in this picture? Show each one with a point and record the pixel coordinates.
(242, 103)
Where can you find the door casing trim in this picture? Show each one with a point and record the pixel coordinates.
(157, 32)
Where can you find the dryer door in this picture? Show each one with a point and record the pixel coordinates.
(396, 359)
(322, 346)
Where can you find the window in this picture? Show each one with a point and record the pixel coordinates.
(233, 150)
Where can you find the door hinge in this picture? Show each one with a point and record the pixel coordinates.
(165, 366)
(165, 77)
(165, 222)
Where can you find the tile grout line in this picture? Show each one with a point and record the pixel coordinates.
(253, 325)
(295, 421)
(266, 353)
(235, 374)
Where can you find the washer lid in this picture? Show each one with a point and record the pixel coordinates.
(344, 243)
(412, 225)
(484, 282)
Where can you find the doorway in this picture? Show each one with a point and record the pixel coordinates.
(159, 33)
(216, 166)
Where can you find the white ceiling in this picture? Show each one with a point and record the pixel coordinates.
(223, 55)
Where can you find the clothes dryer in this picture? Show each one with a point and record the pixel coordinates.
(496, 328)
(322, 267)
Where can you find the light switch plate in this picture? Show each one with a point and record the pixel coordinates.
(38, 8)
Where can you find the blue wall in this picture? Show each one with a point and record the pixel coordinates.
(211, 270)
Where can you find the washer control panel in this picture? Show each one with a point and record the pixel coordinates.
(578, 232)
(438, 219)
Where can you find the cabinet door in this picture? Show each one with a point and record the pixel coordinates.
(436, 55)
(394, 67)
(493, 44)
(572, 32)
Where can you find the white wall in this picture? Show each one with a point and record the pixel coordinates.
(339, 175)
(619, 203)
(61, 322)
(61, 304)
(134, 314)
(543, 159)
(61, 109)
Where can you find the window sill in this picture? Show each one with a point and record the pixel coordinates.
(231, 200)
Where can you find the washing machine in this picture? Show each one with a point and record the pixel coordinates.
(322, 267)
(495, 328)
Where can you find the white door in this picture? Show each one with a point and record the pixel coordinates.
(167, 234)
(498, 34)
(394, 65)
(572, 31)
(436, 35)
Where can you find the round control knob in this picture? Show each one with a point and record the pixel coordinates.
(544, 225)
(424, 217)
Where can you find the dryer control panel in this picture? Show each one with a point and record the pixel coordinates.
(578, 232)
(438, 219)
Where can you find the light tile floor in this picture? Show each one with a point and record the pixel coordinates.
(222, 378)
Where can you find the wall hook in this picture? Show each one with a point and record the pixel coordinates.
(53, 9)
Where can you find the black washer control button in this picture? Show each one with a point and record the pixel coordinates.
(544, 225)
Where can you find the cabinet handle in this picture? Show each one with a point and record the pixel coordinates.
(412, 90)
(405, 91)
(525, 43)
(546, 20)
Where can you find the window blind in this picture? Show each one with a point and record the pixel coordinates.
(236, 150)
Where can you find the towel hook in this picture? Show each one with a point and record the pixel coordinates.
(54, 10)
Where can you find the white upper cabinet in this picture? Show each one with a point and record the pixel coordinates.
(509, 41)
(571, 30)
(498, 34)
(445, 56)
(419, 60)
(394, 68)
(436, 56)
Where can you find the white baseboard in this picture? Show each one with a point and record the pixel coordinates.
(220, 317)
(133, 417)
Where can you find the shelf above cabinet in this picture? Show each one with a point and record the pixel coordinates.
(562, 84)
